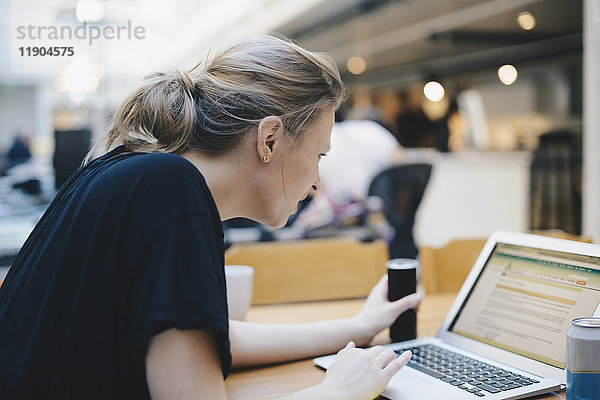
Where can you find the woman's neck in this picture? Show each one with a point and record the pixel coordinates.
(229, 179)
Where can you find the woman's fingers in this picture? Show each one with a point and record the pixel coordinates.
(381, 288)
(374, 351)
(350, 345)
(396, 365)
(383, 281)
(359, 374)
(386, 357)
(408, 302)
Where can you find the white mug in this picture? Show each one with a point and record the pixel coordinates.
(239, 279)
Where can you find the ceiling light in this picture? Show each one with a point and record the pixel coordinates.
(434, 91)
(77, 97)
(89, 10)
(356, 65)
(507, 74)
(79, 76)
(526, 20)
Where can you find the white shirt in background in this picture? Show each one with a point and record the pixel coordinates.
(359, 151)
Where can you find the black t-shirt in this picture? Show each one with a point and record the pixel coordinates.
(131, 246)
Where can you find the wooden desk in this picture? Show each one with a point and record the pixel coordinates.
(279, 380)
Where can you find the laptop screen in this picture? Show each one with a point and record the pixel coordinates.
(525, 298)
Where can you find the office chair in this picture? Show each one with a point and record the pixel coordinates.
(555, 183)
(69, 151)
(401, 188)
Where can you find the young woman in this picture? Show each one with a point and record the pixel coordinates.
(119, 292)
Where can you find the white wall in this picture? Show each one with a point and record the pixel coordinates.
(591, 137)
(472, 194)
(500, 100)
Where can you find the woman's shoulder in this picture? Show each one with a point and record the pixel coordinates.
(130, 165)
(121, 173)
(151, 181)
(155, 160)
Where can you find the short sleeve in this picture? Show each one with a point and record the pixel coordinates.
(182, 282)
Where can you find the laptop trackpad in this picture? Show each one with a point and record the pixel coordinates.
(409, 384)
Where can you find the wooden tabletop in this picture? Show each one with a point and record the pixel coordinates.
(272, 382)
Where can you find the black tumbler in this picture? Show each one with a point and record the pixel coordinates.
(402, 281)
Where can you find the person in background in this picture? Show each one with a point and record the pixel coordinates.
(119, 292)
(362, 107)
(413, 126)
(360, 149)
(389, 105)
(457, 126)
(19, 151)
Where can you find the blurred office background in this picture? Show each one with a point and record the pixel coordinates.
(500, 96)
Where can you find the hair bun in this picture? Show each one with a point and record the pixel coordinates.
(174, 80)
(158, 116)
(185, 79)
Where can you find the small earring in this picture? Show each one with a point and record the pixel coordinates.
(266, 158)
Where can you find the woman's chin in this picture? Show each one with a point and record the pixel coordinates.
(278, 224)
(278, 220)
(275, 222)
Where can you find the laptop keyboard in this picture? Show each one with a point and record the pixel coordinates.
(464, 372)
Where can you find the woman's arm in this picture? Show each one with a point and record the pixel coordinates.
(255, 343)
(185, 365)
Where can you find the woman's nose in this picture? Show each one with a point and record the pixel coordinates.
(317, 184)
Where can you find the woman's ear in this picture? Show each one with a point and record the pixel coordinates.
(269, 135)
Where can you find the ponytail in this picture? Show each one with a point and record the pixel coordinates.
(157, 116)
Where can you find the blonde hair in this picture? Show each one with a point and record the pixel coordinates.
(212, 106)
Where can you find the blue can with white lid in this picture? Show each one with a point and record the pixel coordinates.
(583, 359)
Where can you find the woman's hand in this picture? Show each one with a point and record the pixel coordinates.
(379, 313)
(359, 374)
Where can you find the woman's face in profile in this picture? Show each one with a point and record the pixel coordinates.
(300, 166)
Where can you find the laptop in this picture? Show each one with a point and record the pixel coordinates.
(505, 335)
